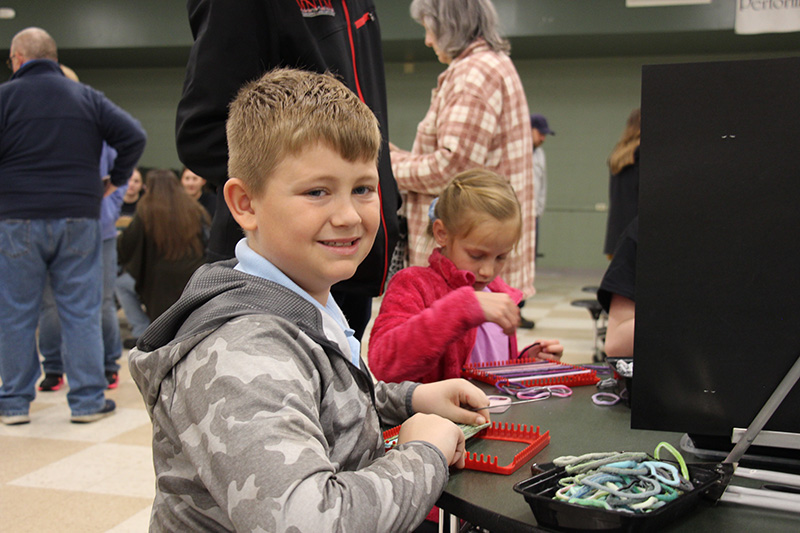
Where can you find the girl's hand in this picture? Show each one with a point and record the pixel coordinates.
(544, 349)
(500, 309)
(551, 349)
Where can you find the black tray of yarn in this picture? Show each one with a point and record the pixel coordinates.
(563, 516)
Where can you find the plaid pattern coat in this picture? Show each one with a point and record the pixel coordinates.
(478, 118)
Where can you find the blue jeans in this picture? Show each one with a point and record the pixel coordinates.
(68, 251)
(50, 326)
(125, 290)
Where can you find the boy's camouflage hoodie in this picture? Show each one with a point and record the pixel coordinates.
(260, 423)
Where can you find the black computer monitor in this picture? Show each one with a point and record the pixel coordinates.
(718, 264)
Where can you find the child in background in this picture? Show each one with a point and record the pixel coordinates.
(617, 294)
(164, 243)
(133, 193)
(623, 184)
(264, 416)
(195, 186)
(125, 285)
(433, 320)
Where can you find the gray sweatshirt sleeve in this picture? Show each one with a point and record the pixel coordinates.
(393, 401)
(265, 431)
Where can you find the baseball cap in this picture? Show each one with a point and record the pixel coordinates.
(540, 123)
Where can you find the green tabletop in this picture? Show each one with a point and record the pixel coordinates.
(578, 426)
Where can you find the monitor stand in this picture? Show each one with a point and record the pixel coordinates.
(778, 439)
(716, 449)
(763, 416)
(729, 466)
(744, 438)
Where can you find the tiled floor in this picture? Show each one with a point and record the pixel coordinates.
(58, 476)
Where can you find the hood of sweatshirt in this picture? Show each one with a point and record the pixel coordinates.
(215, 294)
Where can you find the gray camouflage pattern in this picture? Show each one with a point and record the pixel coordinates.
(262, 424)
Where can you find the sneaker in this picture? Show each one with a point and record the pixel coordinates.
(525, 323)
(15, 420)
(108, 409)
(113, 379)
(51, 382)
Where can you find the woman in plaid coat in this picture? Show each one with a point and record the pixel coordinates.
(478, 118)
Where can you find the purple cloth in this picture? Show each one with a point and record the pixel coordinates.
(491, 344)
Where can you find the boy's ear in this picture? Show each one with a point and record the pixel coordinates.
(240, 204)
(439, 232)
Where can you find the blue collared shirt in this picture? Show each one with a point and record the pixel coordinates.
(334, 322)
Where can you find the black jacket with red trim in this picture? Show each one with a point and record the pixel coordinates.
(236, 42)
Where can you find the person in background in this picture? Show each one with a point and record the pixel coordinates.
(617, 294)
(195, 187)
(49, 323)
(164, 243)
(539, 131)
(623, 185)
(254, 380)
(125, 285)
(133, 192)
(50, 199)
(337, 36)
(433, 320)
(478, 118)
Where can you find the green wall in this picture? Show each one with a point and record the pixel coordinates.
(586, 101)
(580, 62)
(149, 94)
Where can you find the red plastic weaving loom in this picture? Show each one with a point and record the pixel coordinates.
(534, 441)
(530, 373)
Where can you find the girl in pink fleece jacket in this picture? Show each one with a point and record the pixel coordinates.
(433, 320)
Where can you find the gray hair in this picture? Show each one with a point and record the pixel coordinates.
(457, 23)
(34, 43)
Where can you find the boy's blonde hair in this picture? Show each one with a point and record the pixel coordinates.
(472, 196)
(287, 110)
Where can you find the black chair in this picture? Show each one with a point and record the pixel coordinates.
(600, 318)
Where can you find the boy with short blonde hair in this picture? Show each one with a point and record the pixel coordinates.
(266, 123)
(265, 417)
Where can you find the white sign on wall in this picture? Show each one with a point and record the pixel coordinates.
(652, 3)
(767, 16)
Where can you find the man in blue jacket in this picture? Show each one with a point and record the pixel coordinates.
(51, 136)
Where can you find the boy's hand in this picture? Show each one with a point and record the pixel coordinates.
(500, 309)
(451, 399)
(440, 432)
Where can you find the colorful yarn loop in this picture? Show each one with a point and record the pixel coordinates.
(534, 393)
(622, 481)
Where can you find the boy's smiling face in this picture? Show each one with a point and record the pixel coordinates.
(317, 218)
